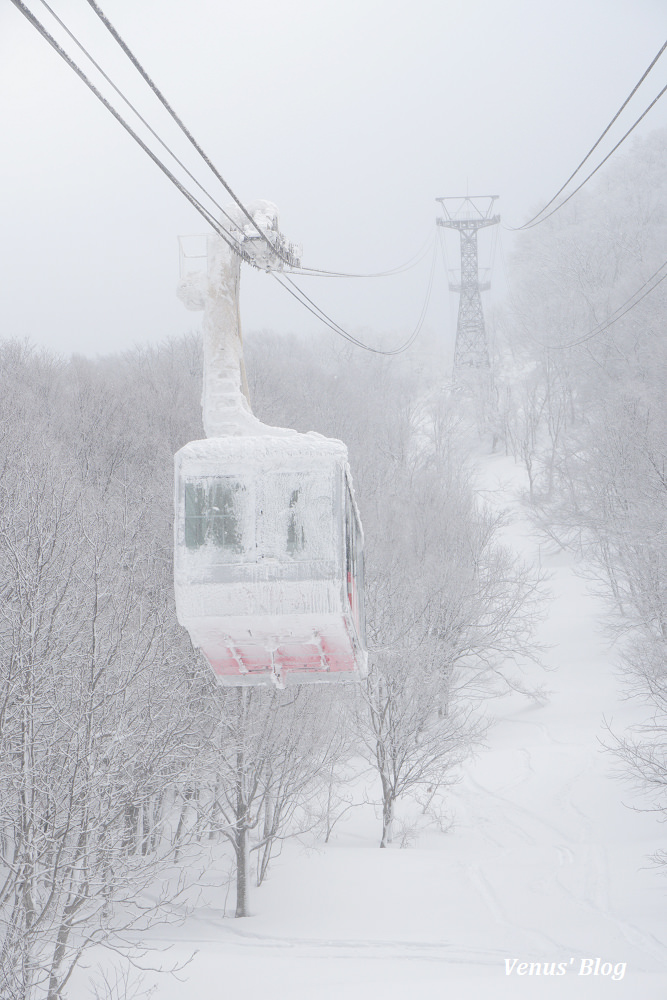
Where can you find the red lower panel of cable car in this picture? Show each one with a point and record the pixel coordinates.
(325, 655)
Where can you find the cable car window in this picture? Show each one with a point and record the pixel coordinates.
(296, 535)
(214, 514)
(298, 516)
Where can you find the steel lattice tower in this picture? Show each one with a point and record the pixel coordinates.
(468, 215)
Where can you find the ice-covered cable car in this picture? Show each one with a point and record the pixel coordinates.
(268, 565)
(269, 558)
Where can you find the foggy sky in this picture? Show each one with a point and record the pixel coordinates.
(351, 115)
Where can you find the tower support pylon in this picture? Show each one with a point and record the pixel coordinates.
(467, 215)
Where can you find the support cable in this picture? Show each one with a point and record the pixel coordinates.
(316, 272)
(598, 141)
(224, 234)
(323, 317)
(308, 271)
(135, 62)
(593, 172)
(219, 229)
(163, 101)
(137, 113)
(621, 310)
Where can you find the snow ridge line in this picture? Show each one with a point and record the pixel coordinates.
(431, 950)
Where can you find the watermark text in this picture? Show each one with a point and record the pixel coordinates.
(580, 967)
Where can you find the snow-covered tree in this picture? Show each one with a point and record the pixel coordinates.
(589, 414)
(96, 721)
(270, 751)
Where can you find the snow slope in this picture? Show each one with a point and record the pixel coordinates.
(543, 863)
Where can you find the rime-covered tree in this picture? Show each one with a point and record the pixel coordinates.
(587, 414)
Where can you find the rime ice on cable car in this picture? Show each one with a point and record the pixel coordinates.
(269, 560)
(268, 566)
(267, 255)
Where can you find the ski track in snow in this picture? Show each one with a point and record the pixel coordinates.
(540, 941)
(432, 951)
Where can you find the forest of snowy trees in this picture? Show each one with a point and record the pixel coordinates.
(582, 405)
(122, 762)
(123, 765)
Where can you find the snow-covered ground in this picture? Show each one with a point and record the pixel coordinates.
(543, 862)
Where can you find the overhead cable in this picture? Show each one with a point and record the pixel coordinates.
(224, 234)
(219, 229)
(137, 113)
(323, 317)
(316, 272)
(618, 313)
(211, 165)
(536, 220)
(601, 137)
(160, 96)
(602, 162)
(163, 101)
(297, 293)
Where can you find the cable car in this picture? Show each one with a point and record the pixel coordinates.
(268, 545)
(269, 558)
